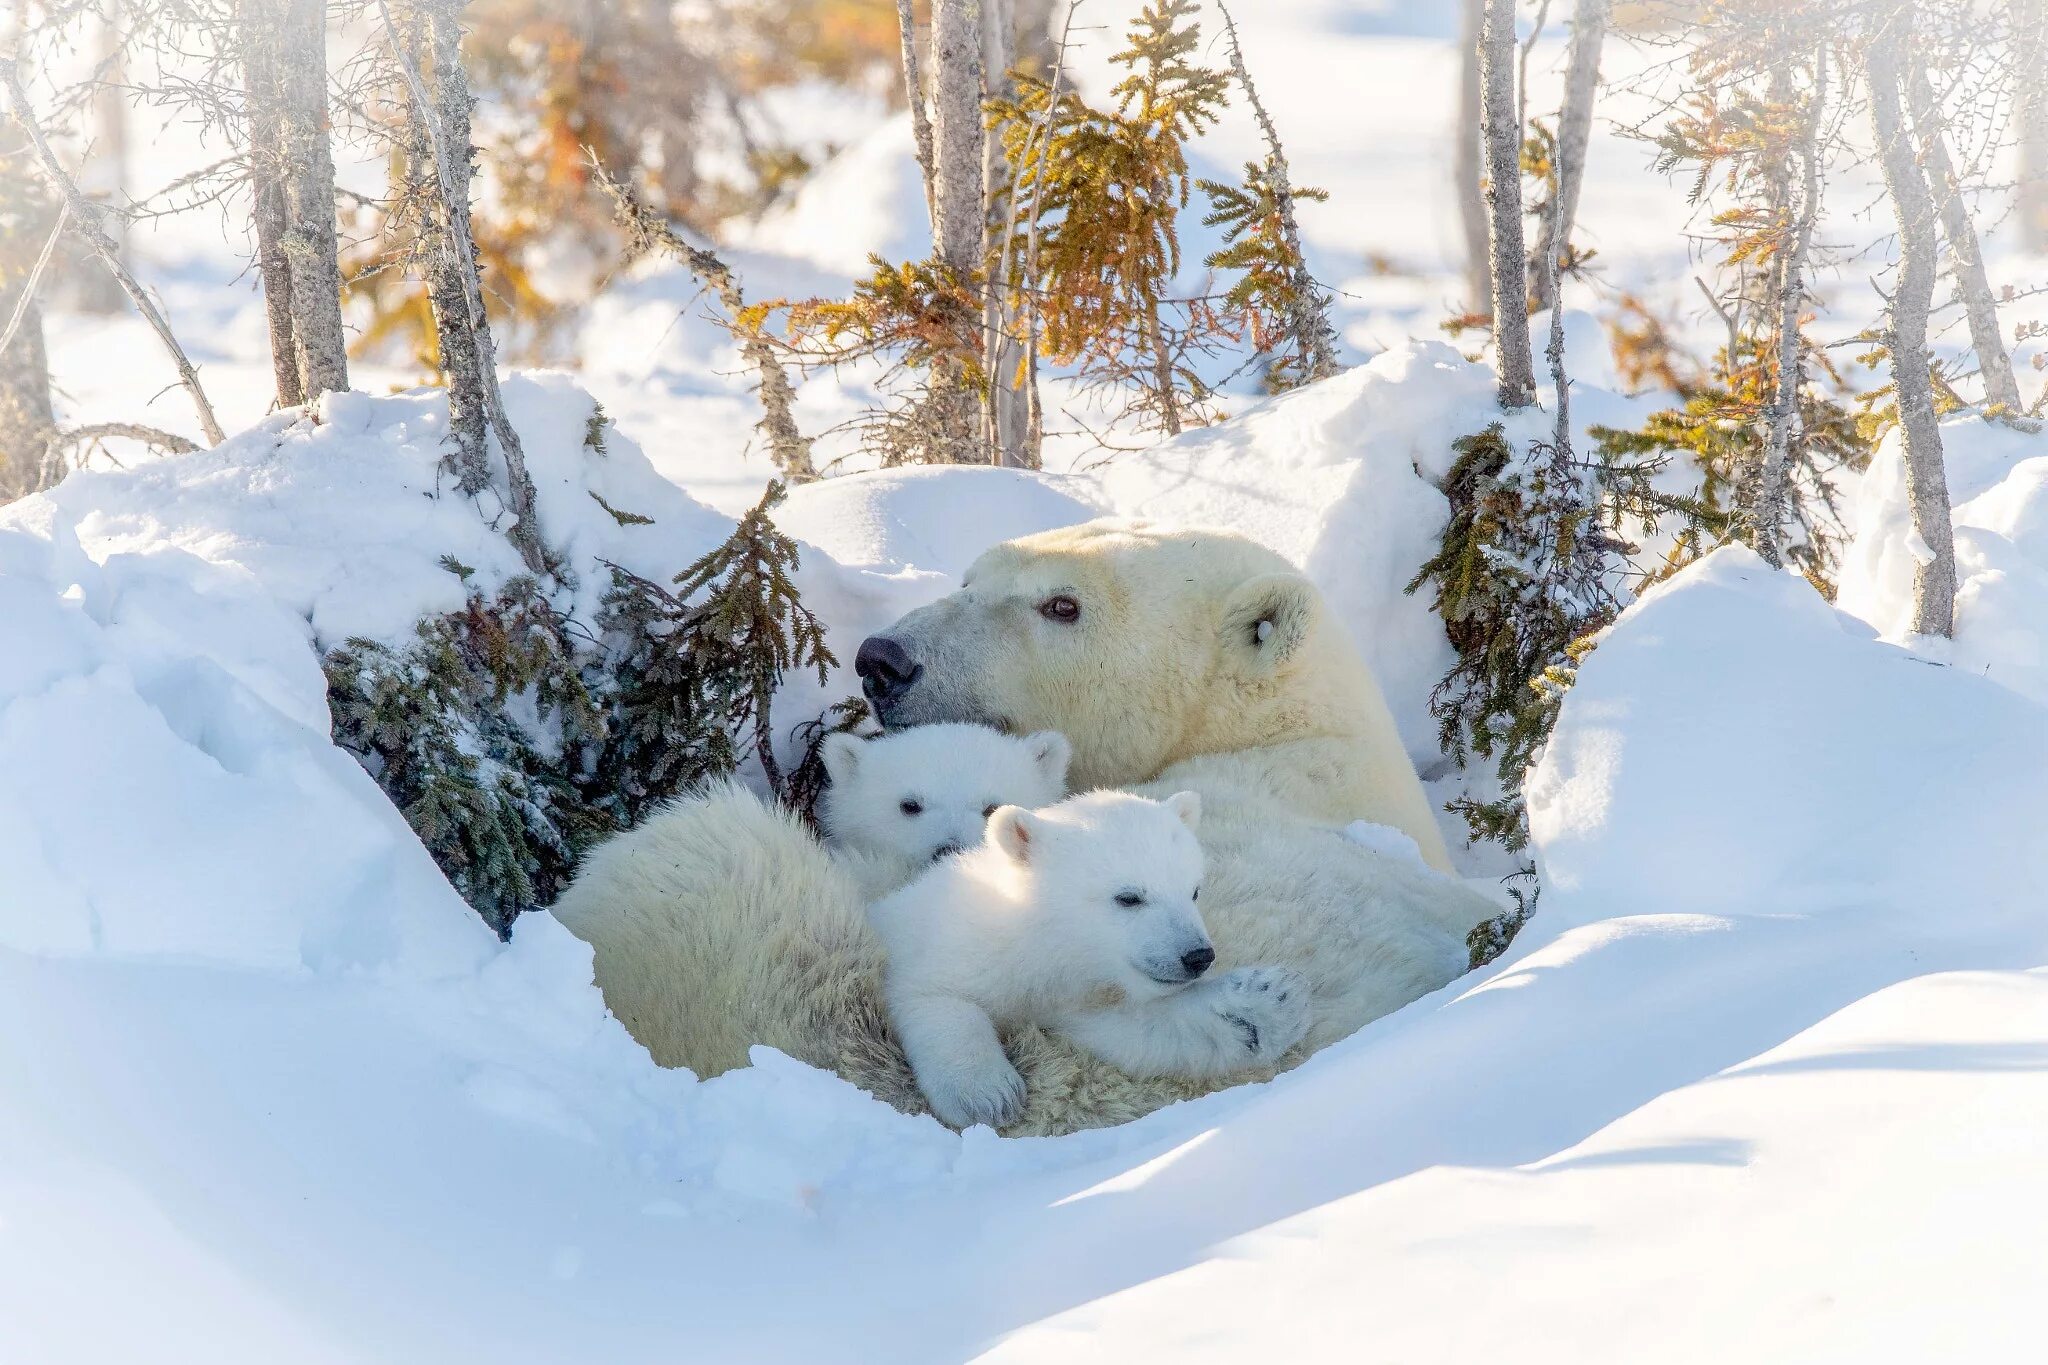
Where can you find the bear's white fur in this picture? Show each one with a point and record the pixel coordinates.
(1194, 660)
(901, 799)
(1082, 918)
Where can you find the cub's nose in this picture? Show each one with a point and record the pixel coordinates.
(886, 669)
(1195, 961)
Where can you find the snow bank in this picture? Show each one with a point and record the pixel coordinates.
(1998, 491)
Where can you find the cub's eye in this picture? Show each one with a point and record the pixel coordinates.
(911, 807)
(1129, 900)
(1197, 894)
(1060, 608)
(988, 810)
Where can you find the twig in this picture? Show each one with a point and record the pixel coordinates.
(167, 441)
(920, 121)
(35, 277)
(90, 217)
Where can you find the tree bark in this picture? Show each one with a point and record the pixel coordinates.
(450, 94)
(1466, 167)
(1508, 265)
(959, 208)
(266, 189)
(913, 94)
(1574, 135)
(1994, 365)
(26, 420)
(1006, 420)
(310, 243)
(1934, 575)
(1772, 496)
(2030, 81)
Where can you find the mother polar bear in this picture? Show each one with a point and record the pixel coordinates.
(1174, 660)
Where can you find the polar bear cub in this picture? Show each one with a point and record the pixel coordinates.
(906, 797)
(1081, 918)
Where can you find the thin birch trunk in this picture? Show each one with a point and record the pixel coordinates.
(1772, 498)
(1509, 269)
(913, 94)
(461, 368)
(1005, 419)
(87, 219)
(1934, 574)
(258, 43)
(1466, 165)
(458, 244)
(2030, 82)
(1574, 135)
(1034, 402)
(959, 207)
(1994, 365)
(105, 176)
(310, 243)
(1308, 327)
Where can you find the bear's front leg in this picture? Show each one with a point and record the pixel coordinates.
(958, 1061)
(1245, 1018)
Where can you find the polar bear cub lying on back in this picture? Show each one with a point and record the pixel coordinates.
(1082, 918)
(901, 800)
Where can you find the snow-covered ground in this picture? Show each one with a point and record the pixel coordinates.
(1765, 1079)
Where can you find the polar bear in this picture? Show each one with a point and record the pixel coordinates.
(900, 800)
(1082, 919)
(1172, 660)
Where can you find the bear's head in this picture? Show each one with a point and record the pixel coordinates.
(1143, 645)
(920, 794)
(1113, 885)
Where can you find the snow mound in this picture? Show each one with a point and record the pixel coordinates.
(1998, 491)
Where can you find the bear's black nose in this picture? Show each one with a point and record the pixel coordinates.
(1195, 961)
(886, 668)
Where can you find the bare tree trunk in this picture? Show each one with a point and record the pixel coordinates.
(105, 176)
(1466, 168)
(434, 48)
(1934, 574)
(1006, 419)
(310, 244)
(1309, 331)
(959, 204)
(2001, 390)
(1574, 134)
(913, 94)
(26, 421)
(87, 220)
(1772, 497)
(266, 188)
(450, 94)
(1503, 134)
(1034, 403)
(2030, 82)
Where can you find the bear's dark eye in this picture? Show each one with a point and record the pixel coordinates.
(1129, 900)
(988, 810)
(911, 806)
(1060, 608)
(1197, 894)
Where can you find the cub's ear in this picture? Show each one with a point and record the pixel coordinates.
(841, 755)
(1015, 831)
(1188, 806)
(1051, 752)
(1266, 620)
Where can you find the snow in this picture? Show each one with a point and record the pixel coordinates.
(1763, 1078)
(1998, 495)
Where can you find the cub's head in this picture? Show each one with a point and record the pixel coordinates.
(1142, 645)
(925, 792)
(1115, 881)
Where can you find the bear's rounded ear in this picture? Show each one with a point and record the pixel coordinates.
(1188, 806)
(1015, 831)
(841, 755)
(1266, 620)
(1051, 752)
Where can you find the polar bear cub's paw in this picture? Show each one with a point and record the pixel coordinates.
(962, 1096)
(1269, 1008)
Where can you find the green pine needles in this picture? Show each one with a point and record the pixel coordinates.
(512, 738)
(1523, 578)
